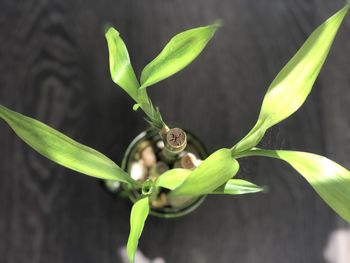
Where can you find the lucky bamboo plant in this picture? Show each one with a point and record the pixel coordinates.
(214, 175)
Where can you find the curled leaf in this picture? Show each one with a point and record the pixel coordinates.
(213, 172)
(171, 179)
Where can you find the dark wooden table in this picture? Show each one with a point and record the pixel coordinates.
(54, 67)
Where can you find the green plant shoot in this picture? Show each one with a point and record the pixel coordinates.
(214, 175)
(181, 50)
(123, 74)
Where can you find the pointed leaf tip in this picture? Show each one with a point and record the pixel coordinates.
(121, 70)
(238, 187)
(109, 30)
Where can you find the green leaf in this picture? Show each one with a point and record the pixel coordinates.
(139, 213)
(213, 172)
(330, 180)
(121, 70)
(181, 50)
(61, 149)
(171, 179)
(293, 84)
(238, 187)
(123, 74)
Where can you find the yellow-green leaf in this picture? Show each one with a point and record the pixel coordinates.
(293, 84)
(121, 70)
(238, 187)
(330, 180)
(213, 172)
(139, 213)
(181, 50)
(172, 178)
(61, 149)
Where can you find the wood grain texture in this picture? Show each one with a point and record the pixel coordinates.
(53, 66)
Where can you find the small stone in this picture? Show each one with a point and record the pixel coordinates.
(138, 171)
(189, 161)
(160, 145)
(148, 156)
(142, 145)
(160, 202)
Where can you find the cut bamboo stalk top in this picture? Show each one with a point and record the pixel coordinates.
(176, 140)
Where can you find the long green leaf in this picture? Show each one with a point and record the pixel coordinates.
(213, 172)
(171, 179)
(181, 50)
(330, 180)
(61, 149)
(293, 84)
(238, 187)
(121, 70)
(139, 213)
